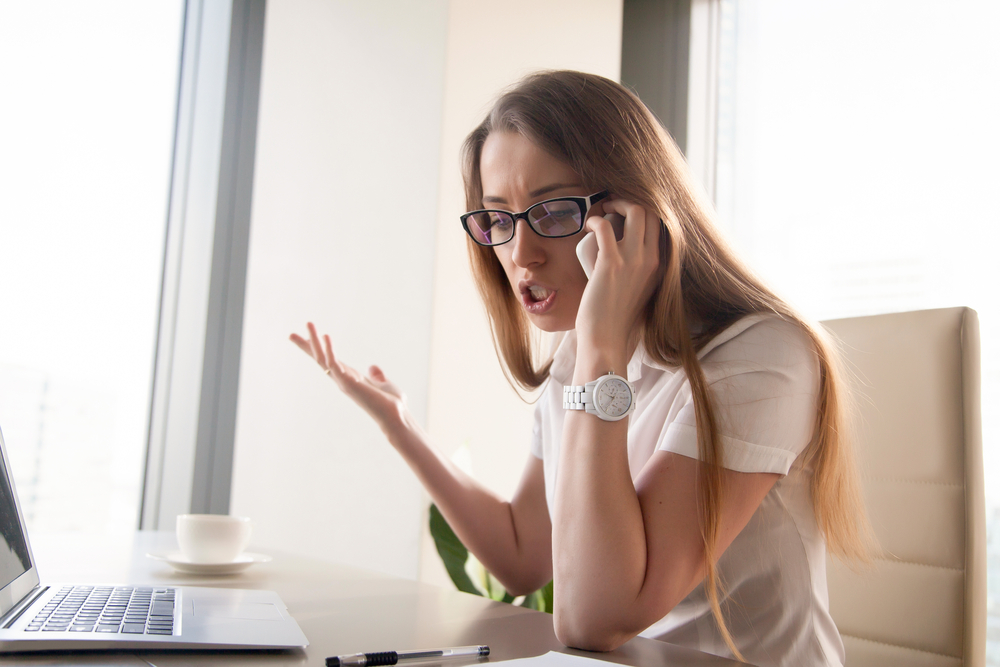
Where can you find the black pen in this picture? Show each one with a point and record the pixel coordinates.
(392, 657)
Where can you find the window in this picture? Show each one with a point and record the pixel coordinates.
(86, 128)
(857, 170)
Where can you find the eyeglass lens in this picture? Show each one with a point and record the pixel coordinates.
(560, 217)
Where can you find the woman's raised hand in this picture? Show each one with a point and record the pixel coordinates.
(624, 276)
(381, 399)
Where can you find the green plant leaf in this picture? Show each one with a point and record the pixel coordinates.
(530, 601)
(546, 596)
(453, 553)
(540, 599)
(494, 589)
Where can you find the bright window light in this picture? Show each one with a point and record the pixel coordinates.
(86, 131)
(858, 173)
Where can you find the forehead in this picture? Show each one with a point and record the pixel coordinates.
(511, 165)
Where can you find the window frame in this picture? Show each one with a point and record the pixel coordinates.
(192, 419)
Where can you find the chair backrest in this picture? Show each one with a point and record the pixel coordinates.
(916, 378)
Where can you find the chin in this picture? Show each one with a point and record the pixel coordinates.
(550, 324)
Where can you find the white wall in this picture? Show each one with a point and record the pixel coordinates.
(465, 373)
(342, 234)
(364, 105)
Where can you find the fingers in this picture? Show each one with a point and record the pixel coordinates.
(302, 343)
(604, 232)
(635, 222)
(344, 376)
(374, 393)
(324, 357)
(317, 351)
(331, 362)
(653, 224)
(641, 229)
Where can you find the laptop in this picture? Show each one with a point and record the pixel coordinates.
(63, 617)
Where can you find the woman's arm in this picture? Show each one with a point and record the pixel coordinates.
(625, 554)
(511, 539)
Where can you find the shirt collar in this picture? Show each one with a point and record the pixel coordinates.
(564, 358)
(635, 364)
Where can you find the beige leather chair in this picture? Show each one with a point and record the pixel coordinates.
(916, 377)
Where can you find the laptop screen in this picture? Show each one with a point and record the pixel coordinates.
(14, 559)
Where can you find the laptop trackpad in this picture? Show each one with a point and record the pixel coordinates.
(260, 611)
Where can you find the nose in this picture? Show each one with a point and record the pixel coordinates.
(528, 249)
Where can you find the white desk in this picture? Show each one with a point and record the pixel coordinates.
(340, 609)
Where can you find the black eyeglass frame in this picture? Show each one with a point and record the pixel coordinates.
(583, 202)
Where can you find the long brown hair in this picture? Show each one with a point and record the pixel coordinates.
(613, 142)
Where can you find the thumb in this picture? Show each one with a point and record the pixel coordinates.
(378, 380)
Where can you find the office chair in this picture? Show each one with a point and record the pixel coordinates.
(916, 380)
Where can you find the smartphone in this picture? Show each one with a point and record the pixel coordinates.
(586, 250)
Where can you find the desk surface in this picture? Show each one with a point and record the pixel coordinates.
(340, 609)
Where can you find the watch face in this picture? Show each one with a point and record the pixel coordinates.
(613, 397)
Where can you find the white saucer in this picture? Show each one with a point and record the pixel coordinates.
(179, 562)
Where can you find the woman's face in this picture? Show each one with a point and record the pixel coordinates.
(544, 273)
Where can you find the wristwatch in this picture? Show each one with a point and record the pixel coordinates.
(611, 397)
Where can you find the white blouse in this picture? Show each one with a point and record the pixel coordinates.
(764, 378)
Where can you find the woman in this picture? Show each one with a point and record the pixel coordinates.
(701, 481)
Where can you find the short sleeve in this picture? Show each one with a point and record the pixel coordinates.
(764, 384)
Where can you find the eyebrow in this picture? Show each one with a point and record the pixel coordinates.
(534, 193)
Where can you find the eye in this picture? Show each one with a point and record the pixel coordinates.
(556, 218)
(500, 221)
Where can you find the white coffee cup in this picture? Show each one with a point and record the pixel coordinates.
(212, 538)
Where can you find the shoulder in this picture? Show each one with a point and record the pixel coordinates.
(763, 382)
(760, 343)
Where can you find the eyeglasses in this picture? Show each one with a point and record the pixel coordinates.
(552, 219)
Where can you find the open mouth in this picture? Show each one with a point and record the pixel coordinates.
(536, 293)
(537, 299)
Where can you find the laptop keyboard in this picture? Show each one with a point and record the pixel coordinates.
(117, 609)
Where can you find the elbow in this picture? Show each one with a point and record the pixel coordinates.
(518, 584)
(517, 589)
(588, 634)
(527, 577)
(523, 582)
(601, 625)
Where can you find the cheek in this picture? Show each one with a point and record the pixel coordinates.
(502, 253)
(575, 285)
(573, 269)
(572, 278)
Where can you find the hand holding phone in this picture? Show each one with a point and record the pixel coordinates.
(586, 250)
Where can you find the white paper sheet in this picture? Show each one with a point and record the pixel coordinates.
(554, 659)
